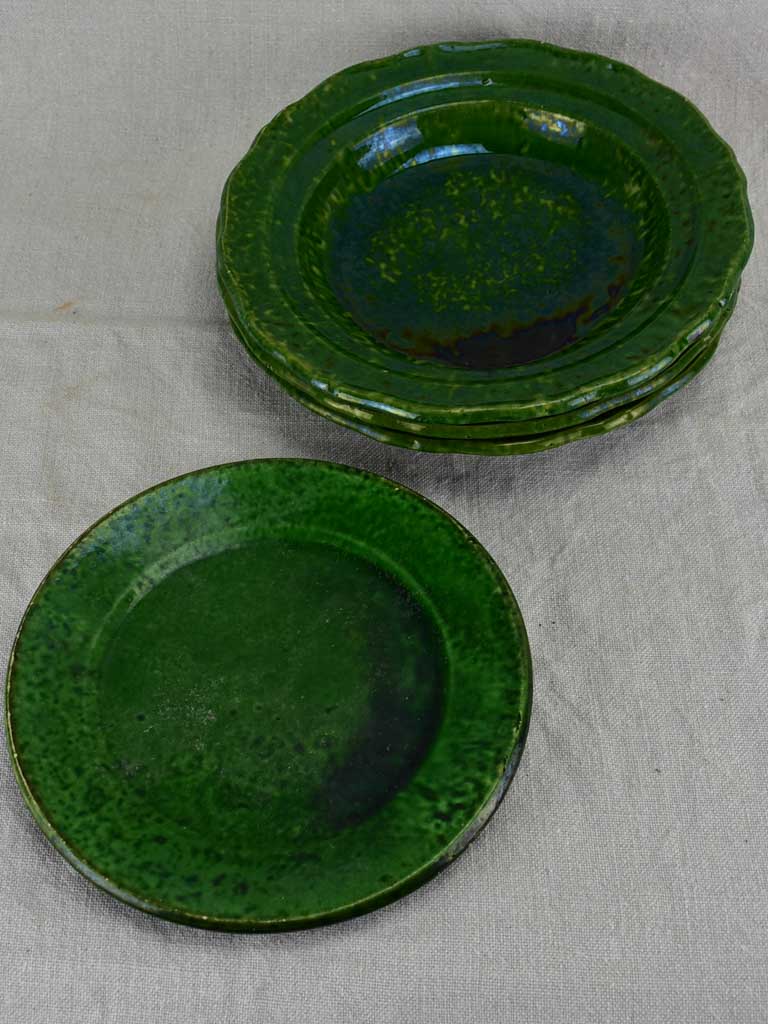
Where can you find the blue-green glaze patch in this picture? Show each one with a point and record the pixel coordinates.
(268, 695)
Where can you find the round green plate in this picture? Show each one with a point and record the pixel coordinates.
(478, 233)
(528, 431)
(268, 695)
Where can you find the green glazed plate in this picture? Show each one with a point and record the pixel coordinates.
(524, 430)
(482, 232)
(268, 695)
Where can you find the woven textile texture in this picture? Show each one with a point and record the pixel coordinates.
(624, 878)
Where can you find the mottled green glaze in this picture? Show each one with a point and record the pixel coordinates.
(537, 434)
(268, 695)
(483, 260)
(482, 233)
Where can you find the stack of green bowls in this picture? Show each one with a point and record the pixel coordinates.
(491, 248)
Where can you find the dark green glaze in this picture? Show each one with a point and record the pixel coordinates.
(268, 695)
(481, 233)
(531, 431)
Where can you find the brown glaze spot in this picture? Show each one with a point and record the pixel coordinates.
(505, 344)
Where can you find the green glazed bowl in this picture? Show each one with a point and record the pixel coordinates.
(526, 431)
(687, 368)
(482, 233)
(268, 695)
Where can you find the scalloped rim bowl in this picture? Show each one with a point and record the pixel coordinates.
(481, 233)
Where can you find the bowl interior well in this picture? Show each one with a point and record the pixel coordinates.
(483, 234)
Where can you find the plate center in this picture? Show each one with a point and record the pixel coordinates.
(482, 260)
(276, 689)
